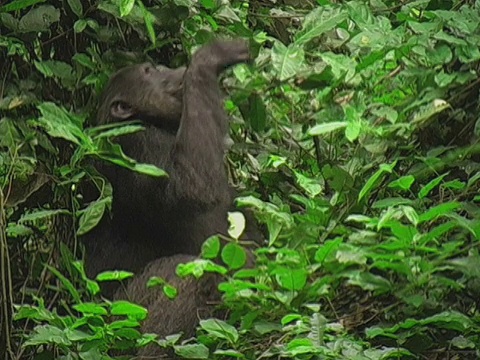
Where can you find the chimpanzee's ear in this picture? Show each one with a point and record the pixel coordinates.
(121, 110)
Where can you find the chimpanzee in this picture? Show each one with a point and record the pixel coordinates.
(185, 127)
(196, 300)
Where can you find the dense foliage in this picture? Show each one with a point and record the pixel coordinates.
(356, 144)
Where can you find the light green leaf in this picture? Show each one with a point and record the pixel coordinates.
(126, 7)
(287, 61)
(319, 21)
(327, 128)
(220, 329)
(234, 256)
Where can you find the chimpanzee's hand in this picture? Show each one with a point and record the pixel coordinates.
(221, 54)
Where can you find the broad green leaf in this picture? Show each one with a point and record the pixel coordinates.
(353, 130)
(403, 183)
(84, 60)
(311, 186)
(192, 351)
(369, 282)
(326, 249)
(208, 4)
(47, 334)
(19, 5)
(126, 7)
(211, 247)
(80, 25)
(291, 279)
(92, 215)
(451, 320)
(76, 7)
(234, 256)
(287, 61)
(39, 19)
(91, 308)
(343, 67)
(198, 267)
(126, 308)
(440, 210)
(327, 128)
(220, 329)
(59, 123)
(319, 21)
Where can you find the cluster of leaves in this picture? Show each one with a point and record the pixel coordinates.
(355, 133)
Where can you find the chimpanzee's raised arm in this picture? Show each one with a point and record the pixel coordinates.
(199, 176)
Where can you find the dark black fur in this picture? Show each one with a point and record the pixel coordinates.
(156, 217)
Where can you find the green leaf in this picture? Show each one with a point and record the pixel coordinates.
(80, 25)
(84, 60)
(440, 210)
(192, 351)
(47, 334)
(390, 202)
(374, 179)
(353, 130)
(208, 4)
(149, 169)
(19, 5)
(326, 249)
(115, 275)
(211, 247)
(91, 309)
(92, 215)
(128, 309)
(287, 61)
(57, 122)
(425, 190)
(327, 128)
(126, 7)
(234, 256)
(76, 7)
(403, 183)
(149, 20)
(66, 283)
(369, 282)
(170, 291)
(291, 279)
(319, 21)
(42, 214)
(39, 19)
(220, 329)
